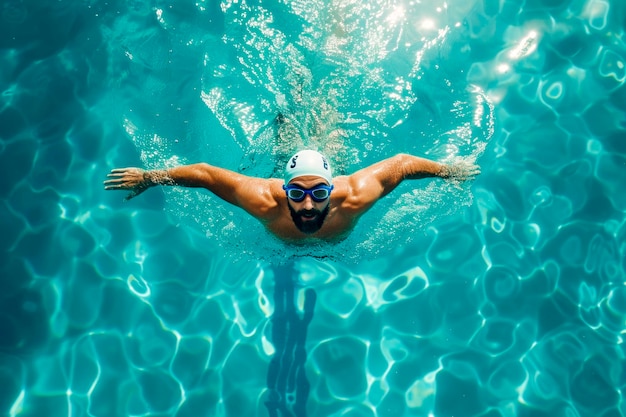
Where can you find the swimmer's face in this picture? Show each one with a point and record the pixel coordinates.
(308, 214)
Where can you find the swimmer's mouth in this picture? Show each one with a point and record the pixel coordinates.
(308, 216)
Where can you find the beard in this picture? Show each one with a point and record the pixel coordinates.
(310, 226)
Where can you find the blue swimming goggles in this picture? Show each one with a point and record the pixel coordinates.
(318, 193)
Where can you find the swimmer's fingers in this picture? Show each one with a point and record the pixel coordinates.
(473, 170)
(118, 184)
(125, 176)
(126, 179)
(114, 183)
(126, 173)
(467, 170)
(462, 171)
(123, 170)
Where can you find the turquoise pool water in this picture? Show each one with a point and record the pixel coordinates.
(501, 297)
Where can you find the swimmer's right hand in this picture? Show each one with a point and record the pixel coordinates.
(133, 179)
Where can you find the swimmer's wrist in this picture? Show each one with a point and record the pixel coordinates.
(444, 171)
(157, 177)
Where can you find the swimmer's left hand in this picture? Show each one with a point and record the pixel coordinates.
(461, 170)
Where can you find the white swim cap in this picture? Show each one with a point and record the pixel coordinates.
(308, 163)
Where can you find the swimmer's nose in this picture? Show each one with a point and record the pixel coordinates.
(308, 202)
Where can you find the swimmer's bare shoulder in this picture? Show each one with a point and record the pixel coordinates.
(262, 198)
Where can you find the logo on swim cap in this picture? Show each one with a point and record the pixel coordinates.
(308, 163)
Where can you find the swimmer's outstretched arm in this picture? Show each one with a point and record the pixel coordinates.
(231, 186)
(408, 167)
(390, 172)
(374, 182)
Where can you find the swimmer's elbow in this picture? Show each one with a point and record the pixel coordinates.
(415, 167)
(202, 169)
(402, 166)
(193, 175)
(211, 177)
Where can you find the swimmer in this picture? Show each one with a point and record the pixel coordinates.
(308, 205)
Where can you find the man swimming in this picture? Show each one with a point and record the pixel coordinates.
(309, 204)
